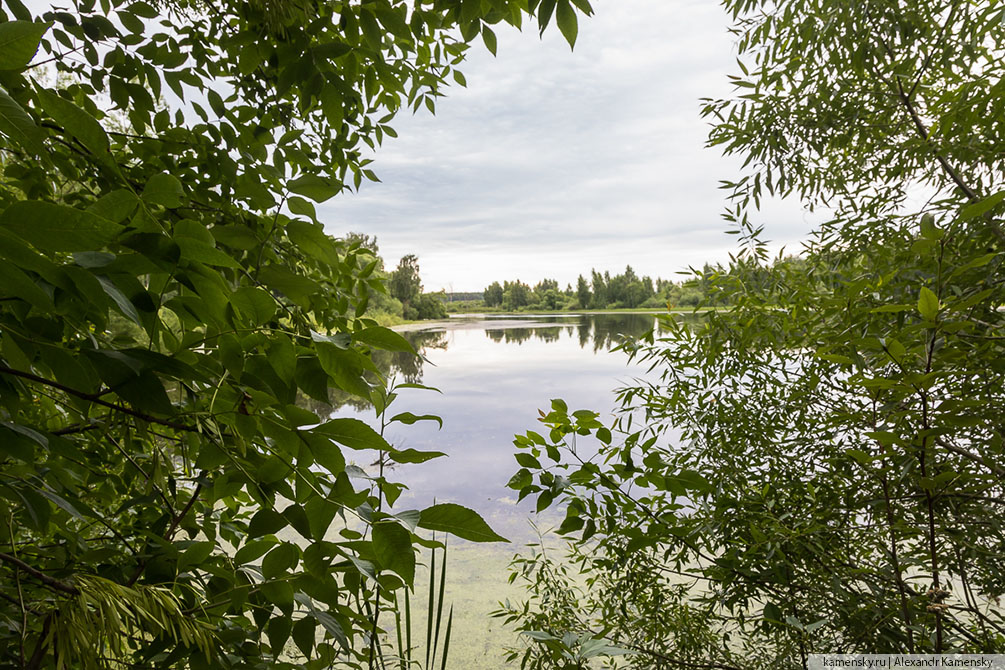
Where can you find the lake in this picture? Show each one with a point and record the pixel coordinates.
(495, 372)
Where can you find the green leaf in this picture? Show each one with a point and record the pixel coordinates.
(294, 286)
(301, 206)
(116, 206)
(17, 446)
(928, 229)
(383, 338)
(693, 480)
(16, 284)
(121, 301)
(539, 635)
(320, 514)
(304, 635)
(38, 509)
(252, 550)
(353, 433)
(311, 239)
(928, 304)
(77, 123)
(314, 187)
(392, 546)
(236, 236)
(345, 367)
(890, 308)
(195, 555)
(280, 593)
(544, 12)
(393, 22)
(266, 522)
(279, 633)
(408, 418)
(194, 251)
(297, 516)
(599, 647)
(255, 306)
(489, 38)
(328, 455)
(982, 207)
(527, 460)
(51, 227)
(164, 189)
(18, 43)
(414, 456)
(457, 520)
(567, 22)
(281, 559)
(18, 126)
(371, 29)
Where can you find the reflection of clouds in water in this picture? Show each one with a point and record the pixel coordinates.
(494, 379)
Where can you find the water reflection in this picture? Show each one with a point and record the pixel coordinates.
(495, 373)
(593, 332)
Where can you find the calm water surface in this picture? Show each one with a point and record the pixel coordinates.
(495, 373)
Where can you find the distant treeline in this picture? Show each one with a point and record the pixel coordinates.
(604, 291)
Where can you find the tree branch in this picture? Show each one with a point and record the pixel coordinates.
(51, 582)
(976, 458)
(169, 533)
(97, 400)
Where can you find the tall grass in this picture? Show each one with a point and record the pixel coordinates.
(405, 657)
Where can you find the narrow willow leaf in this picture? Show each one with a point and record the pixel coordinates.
(982, 207)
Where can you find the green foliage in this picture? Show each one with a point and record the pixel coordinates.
(170, 304)
(582, 292)
(815, 469)
(623, 291)
(516, 294)
(406, 286)
(426, 306)
(405, 283)
(493, 295)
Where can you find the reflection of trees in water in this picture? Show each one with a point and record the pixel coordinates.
(605, 331)
(397, 365)
(521, 335)
(599, 331)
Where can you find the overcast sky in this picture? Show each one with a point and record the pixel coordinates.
(551, 162)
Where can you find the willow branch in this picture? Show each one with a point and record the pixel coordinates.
(976, 458)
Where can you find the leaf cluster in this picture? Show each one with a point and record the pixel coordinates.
(170, 303)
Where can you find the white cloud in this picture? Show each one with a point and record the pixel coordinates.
(553, 162)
